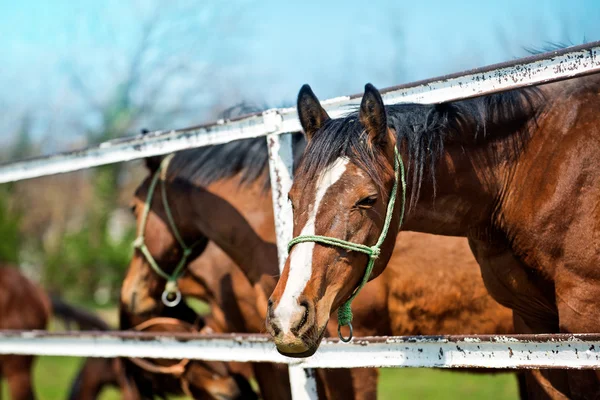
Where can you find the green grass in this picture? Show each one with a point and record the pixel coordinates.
(422, 384)
(53, 377)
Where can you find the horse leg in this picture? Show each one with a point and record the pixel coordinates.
(522, 385)
(540, 383)
(273, 380)
(344, 383)
(129, 389)
(511, 284)
(577, 297)
(17, 370)
(365, 382)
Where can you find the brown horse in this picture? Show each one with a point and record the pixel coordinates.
(240, 222)
(237, 295)
(146, 379)
(98, 373)
(516, 173)
(25, 306)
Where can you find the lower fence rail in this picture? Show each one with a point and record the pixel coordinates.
(570, 351)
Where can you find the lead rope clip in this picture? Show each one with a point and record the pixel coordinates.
(341, 336)
(171, 296)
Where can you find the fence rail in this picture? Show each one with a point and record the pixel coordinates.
(553, 66)
(581, 351)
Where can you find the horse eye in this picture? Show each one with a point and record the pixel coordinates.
(132, 208)
(367, 202)
(291, 202)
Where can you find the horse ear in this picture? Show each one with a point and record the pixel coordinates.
(372, 115)
(152, 163)
(312, 115)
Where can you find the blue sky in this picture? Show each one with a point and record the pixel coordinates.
(262, 51)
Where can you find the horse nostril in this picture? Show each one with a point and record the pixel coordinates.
(270, 309)
(271, 318)
(304, 304)
(304, 318)
(276, 330)
(274, 326)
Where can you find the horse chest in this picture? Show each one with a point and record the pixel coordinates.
(515, 286)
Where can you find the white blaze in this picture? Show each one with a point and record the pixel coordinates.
(302, 253)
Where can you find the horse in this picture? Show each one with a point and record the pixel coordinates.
(97, 373)
(514, 172)
(23, 306)
(230, 181)
(26, 306)
(144, 379)
(232, 291)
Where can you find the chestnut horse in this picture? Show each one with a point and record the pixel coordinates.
(517, 173)
(240, 221)
(98, 373)
(25, 306)
(237, 295)
(146, 379)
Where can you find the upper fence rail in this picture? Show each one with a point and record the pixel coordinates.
(546, 67)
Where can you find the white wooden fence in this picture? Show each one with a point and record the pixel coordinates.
(577, 351)
(517, 351)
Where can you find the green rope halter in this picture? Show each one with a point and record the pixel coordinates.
(345, 310)
(171, 288)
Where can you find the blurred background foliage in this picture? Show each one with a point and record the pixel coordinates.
(73, 232)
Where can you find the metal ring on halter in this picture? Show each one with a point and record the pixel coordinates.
(342, 338)
(175, 301)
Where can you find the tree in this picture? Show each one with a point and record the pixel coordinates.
(159, 77)
(10, 209)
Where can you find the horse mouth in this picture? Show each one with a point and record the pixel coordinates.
(307, 349)
(303, 354)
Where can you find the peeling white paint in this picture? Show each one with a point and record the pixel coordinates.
(280, 169)
(303, 383)
(542, 351)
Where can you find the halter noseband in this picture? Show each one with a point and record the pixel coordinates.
(171, 288)
(345, 310)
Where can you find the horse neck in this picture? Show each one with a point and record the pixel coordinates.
(469, 182)
(240, 221)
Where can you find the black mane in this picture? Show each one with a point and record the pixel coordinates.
(553, 46)
(423, 130)
(205, 165)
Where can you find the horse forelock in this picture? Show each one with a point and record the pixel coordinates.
(343, 138)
